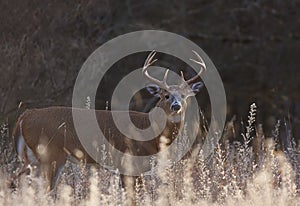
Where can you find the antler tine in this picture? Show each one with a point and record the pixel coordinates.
(182, 76)
(165, 77)
(203, 68)
(148, 62)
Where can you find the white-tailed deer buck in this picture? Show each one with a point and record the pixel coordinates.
(47, 136)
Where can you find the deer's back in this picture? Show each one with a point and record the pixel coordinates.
(53, 128)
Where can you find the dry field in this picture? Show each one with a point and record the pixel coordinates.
(250, 172)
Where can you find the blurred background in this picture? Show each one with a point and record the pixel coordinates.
(255, 45)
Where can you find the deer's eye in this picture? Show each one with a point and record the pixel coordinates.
(167, 96)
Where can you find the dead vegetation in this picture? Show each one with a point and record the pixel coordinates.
(238, 172)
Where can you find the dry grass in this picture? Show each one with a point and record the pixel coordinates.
(236, 174)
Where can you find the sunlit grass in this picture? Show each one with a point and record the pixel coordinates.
(237, 174)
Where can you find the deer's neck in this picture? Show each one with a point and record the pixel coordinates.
(173, 128)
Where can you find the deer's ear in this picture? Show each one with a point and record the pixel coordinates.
(153, 89)
(196, 87)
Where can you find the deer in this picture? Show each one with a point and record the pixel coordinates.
(46, 137)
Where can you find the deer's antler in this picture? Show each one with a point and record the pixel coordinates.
(197, 77)
(148, 62)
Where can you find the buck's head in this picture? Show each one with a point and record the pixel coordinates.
(173, 98)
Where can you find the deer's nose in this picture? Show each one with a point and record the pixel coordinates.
(175, 107)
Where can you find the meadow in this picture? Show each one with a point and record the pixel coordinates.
(252, 171)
